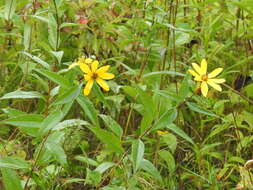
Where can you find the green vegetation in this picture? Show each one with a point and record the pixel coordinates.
(151, 125)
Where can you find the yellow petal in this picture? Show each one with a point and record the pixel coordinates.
(73, 65)
(88, 87)
(193, 73)
(94, 66)
(198, 78)
(81, 60)
(203, 67)
(204, 88)
(85, 68)
(215, 72)
(214, 85)
(87, 77)
(103, 69)
(103, 84)
(88, 60)
(219, 81)
(196, 68)
(106, 76)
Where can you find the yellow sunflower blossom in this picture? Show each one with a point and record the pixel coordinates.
(81, 60)
(200, 74)
(93, 73)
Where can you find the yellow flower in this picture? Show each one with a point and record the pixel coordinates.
(93, 73)
(205, 79)
(81, 60)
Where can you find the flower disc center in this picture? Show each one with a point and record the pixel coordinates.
(204, 77)
(94, 76)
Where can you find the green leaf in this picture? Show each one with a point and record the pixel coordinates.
(69, 123)
(37, 60)
(181, 38)
(13, 163)
(88, 109)
(9, 9)
(198, 109)
(111, 141)
(50, 121)
(58, 153)
(29, 123)
(27, 35)
(10, 180)
(13, 112)
(55, 77)
(112, 125)
(168, 157)
(86, 160)
(179, 132)
(149, 109)
(184, 88)
(166, 119)
(170, 141)
(104, 166)
(53, 37)
(137, 154)
(58, 55)
(22, 95)
(93, 177)
(69, 96)
(150, 168)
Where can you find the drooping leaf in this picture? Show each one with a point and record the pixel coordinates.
(166, 119)
(18, 94)
(29, 123)
(58, 153)
(104, 166)
(111, 141)
(179, 132)
(112, 124)
(37, 60)
(50, 122)
(151, 169)
(198, 109)
(88, 109)
(168, 157)
(55, 77)
(69, 96)
(13, 163)
(69, 123)
(137, 154)
(53, 36)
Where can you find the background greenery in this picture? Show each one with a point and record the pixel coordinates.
(52, 137)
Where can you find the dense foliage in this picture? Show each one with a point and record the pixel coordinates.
(151, 124)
